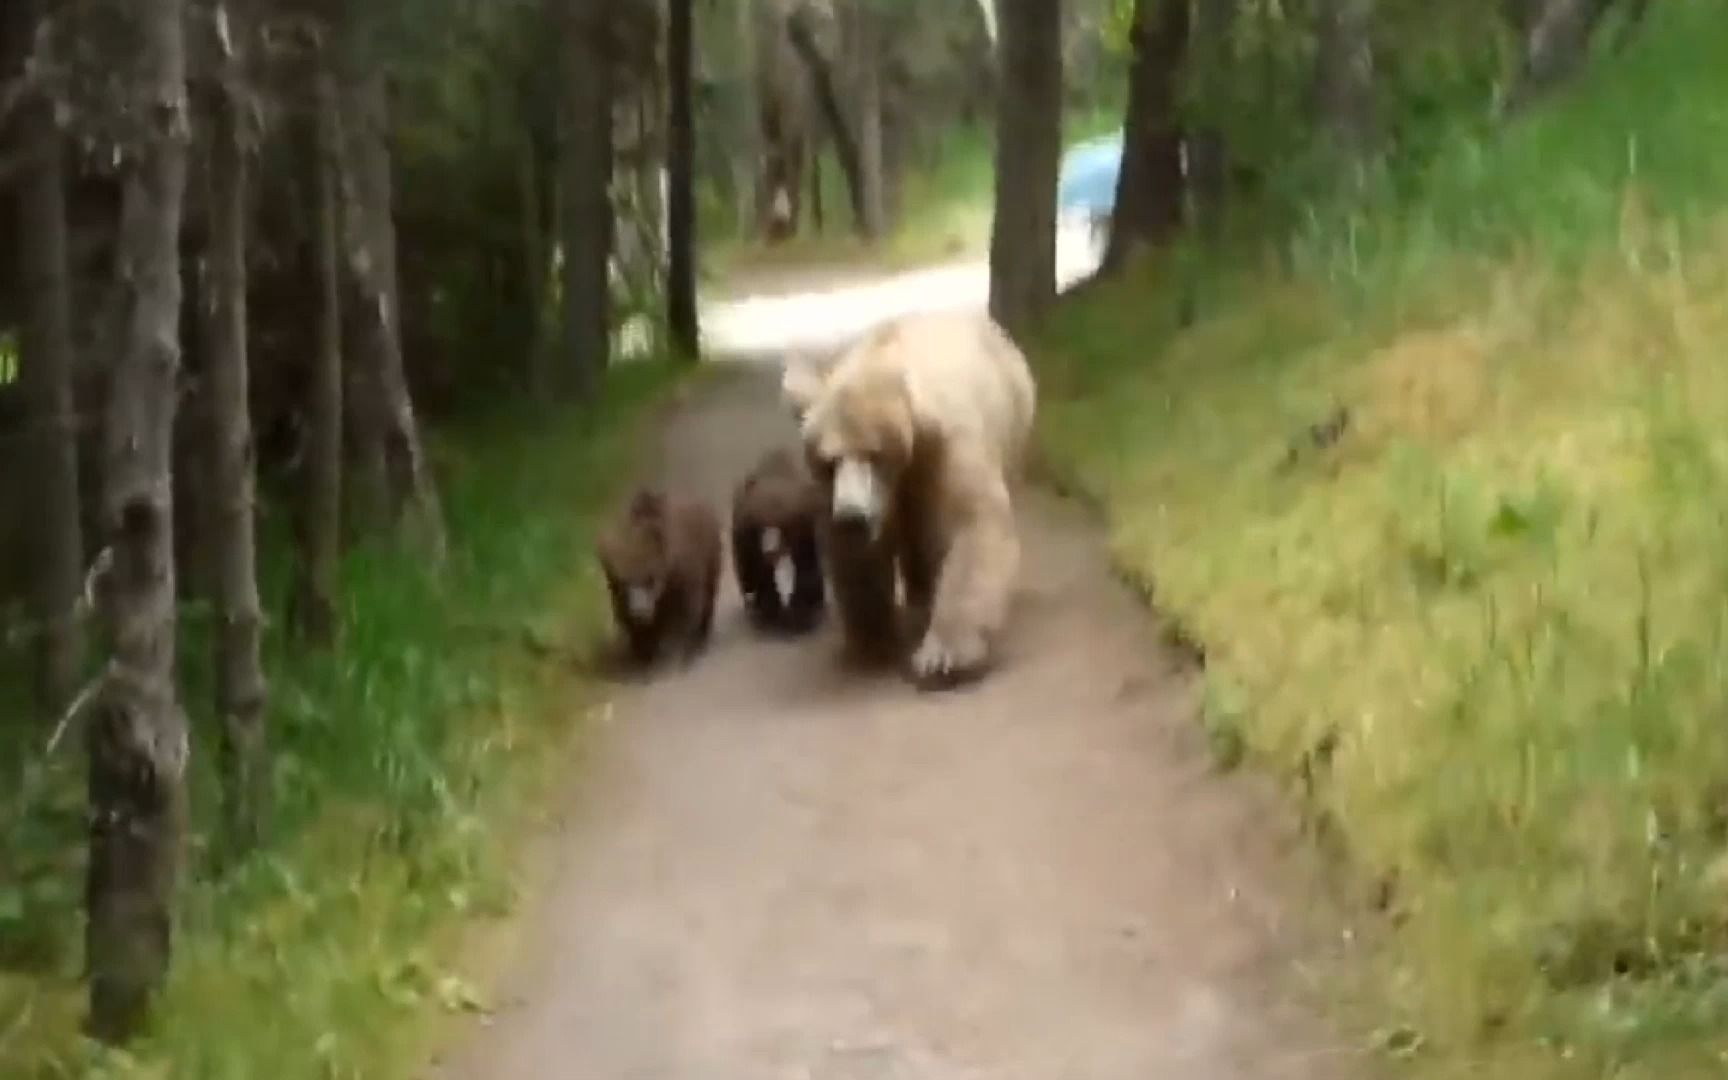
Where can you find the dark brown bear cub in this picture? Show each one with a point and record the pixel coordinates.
(661, 557)
(774, 525)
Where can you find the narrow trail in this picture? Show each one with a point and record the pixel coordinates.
(773, 869)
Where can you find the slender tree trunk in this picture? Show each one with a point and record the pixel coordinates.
(747, 155)
(137, 735)
(1344, 76)
(585, 166)
(320, 511)
(681, 183)
(535, 268)
(45, 380)
(1150, 187)
(1557, 36)
(987, 12)
(240, 685)
(1028, 158)
(1208, 153)
(818, 212)
(866, 53)
(397, 485)
(803, 39)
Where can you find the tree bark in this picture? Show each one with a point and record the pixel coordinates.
(396, 485)
(1150, 187)
(534, 267)
(803, 39)
(137, 735)
(585, 174)
(681, 185)
(319, 523)
(45, 380)
(1028, 158)
(1556, 39)
(1208, 152)
(866, 45)
(818, 212)
(240, 684)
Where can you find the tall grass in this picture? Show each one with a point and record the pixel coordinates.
(1484, 632)
(407, 762)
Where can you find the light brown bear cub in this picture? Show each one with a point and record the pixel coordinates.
(661, 557)
(915, 435)
(775, 514)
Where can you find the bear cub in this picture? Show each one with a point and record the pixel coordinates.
(775, 550)
(661, 557)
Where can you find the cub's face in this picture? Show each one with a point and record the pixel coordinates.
(635, 560)
(859, 444)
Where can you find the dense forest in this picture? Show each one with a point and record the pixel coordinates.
(327, 332)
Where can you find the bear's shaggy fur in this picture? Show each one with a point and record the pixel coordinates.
(661, 557)
(775, 510)
(915, 436)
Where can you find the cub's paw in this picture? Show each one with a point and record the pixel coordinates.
(947, 660)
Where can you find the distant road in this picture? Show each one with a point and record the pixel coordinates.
(766, 327)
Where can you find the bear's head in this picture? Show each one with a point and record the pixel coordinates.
(636, 553)
(858, 435)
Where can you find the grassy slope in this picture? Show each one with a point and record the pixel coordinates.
(1490, 621)
(409, 766)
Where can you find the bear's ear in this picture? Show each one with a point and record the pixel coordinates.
(800, 383)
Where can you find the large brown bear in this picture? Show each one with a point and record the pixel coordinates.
(661, 557)
(915, 435)
(775, 511)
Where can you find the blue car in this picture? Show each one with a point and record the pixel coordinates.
(1086, 186)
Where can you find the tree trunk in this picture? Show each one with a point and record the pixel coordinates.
(1208, 153)
(397, 490)
(1028, 158)
(681, 185)
(803, 39)
(867, 58)
(1556, 39)
(1344, 76)
(45, 380)
(1150, 190)
(747, 154)
(320, 512)
(137, 735)
(818, 212)
(240, 685)
(534, 267)
(585, 168)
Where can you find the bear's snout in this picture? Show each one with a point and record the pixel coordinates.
(858, 497)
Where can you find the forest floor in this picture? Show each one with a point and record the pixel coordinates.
(770, 867)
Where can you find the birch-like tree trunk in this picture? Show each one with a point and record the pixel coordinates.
(137, 732)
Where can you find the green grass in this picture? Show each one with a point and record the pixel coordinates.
(1488, 625)
(409, 765)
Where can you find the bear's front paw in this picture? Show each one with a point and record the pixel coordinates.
(947, 660)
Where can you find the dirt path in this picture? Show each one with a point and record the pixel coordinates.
(778, 871)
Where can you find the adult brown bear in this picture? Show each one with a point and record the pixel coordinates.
(915, 435)
(775, 510)
(661, 558)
